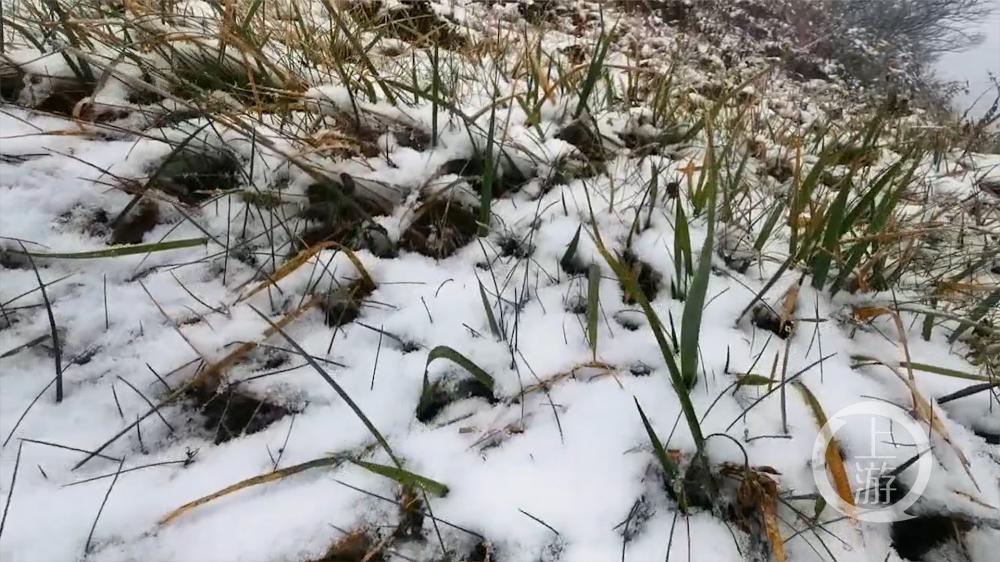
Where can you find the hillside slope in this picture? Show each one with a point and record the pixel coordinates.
(509, 281)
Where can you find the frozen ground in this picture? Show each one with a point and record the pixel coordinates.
(557, 466)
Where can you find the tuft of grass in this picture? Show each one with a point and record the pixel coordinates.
(671, 471)
(695, 301)
(681, 390)
(594, 71)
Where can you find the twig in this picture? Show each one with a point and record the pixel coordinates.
(378, 351)
(52, 324)
(86, 548)
(539, 521)
(155, 408)
(67, 447)
(284, 444)
(26, 410)
(10, 492)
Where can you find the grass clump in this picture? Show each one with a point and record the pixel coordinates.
(284, 119)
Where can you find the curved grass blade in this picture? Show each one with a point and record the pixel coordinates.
(834, 454)
(494, 328)
(567, 258)
(445, 352)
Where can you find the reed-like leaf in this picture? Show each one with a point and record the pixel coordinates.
(445, 352)
(695, 300)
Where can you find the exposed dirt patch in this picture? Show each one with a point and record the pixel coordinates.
(649, 280)
(915, 538)
(230, 413)
(194, 175)
(441, 226)
(133, 226)
(439, 394)
(358, 546)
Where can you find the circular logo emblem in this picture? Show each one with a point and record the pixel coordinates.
(893, 441)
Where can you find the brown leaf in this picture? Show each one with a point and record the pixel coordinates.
(759, 493)
(789, 302)
(249, 482)
(923, 409)
(833, 455)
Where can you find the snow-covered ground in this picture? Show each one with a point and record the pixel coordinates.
(558, 466)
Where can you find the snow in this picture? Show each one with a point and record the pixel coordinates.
(540, 475)
(580, 475)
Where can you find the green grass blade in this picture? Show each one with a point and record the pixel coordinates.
(943, 371)
(768, 228)
(925, 367)
(494, 328)
(683, 260)
(593, 304)
(834, 227)
(695, 301)
(489, 175)
(445, 352)
(404, 477)
(118, 251)
(754, 380)
(803, 194)
(670, 469)
(570, 254)
(628, 281)
(984, 306)
(593, 72)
